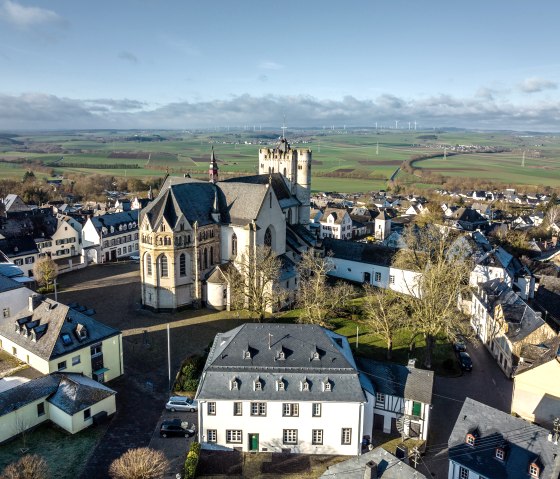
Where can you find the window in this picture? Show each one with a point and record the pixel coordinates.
(238, 409)
(280, 385)
(290, 409)
(163, 266)
(317, 436)
(149, 264)
(87, 414)
(258, 385)
(500, 453)
(211, 408)
(316, 409)
(41, 409)
(234, 435)
(391, 279)
(205, 255)
(234, 384)
(76, 360)
(380, 398)
(289, 436)
(470, 440)
(534, 470)
(6, 312)
(305, 385)
(211, 435)
(14, 351)
(258, 409)
(377, 277)
(327, 386)
(268, 237)
(61, 365)
(346, 435)
(463, 473)
(96, 350)
(182, 265)
(233, 244)
(416, 408)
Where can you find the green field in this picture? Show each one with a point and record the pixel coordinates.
(345, 161)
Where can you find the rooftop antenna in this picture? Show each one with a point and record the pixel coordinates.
(523, 160)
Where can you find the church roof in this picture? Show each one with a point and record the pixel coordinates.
(278, 183)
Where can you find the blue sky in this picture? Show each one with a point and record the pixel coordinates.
(184, 64)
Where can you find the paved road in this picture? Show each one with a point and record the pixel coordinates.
(486, 383)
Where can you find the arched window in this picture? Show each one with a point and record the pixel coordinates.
(149, 264)
(268, 237)
(182, 265)
(234, 244)
(205, 258)
(163, 266)
(211, 255)
(285, 172)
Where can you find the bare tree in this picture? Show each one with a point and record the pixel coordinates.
(45, 271)
(318, 300)
(445, 264)
(254, 282)
(384, 312)
(141, 463)
(552, 215)
(30, 466)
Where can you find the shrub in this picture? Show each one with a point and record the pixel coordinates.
(191, 462)
(30, 466)
(141, 463)
(187, 379)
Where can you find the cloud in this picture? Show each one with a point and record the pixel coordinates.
(535, 85)
(25, 17)
(40, 111)
(268, 65)
(128, 56)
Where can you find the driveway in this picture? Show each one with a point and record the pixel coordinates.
(486, 383)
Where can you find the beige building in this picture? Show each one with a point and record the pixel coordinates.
(71, 401)
(194, 226)
(50, 337)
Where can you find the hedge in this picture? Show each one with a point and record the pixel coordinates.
(191, 462)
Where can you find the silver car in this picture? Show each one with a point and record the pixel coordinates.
(181, 403)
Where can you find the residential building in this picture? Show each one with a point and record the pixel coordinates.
(336, 223)
(14, 203)
(50, 336)
(377, 463)
(382, 226)
(536, 392)
(65, 242)
(370, 264)
(69, 400)
(284, 388)
(467, 219)
(21, 251)
(403, 397)
(489, 444)
(109, 237)
(13, 297)
(504, 323)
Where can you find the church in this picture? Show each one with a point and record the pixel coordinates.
(194, 229)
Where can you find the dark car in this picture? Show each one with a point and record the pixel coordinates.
(460, 346)
(466, 361)
(174, 427)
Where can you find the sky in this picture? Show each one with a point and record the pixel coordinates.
(146, 64)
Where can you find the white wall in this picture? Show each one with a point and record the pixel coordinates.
(14, 301)
(23, 418)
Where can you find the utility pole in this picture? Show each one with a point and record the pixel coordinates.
(168, 358)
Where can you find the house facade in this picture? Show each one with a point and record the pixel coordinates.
(284, 388)
(65, 242)
(336, 223)
(13, 297)
(50, 337)
(22, 252)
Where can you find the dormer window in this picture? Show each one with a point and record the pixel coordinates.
(258, 385)
(327, 385)
(534, 470)
(247, 354)
(81, 332)
(305, 385)
(470, 439)
(281, 355)
(315, 355)
(280, 385)
(234, 384)
(500, 453)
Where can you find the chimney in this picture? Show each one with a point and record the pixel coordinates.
(370, 471)
(34, 301)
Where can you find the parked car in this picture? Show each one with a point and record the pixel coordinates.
(459, 346)
(134, 258)
(181, 403)
(174, 427)
(465, 361)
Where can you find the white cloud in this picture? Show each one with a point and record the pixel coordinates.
(268, 65)
(25, 17)
(535, 85)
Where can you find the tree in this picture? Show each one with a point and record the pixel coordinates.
(445, 264)
(30, 466)
(254, 281)
(28, 176)
(552, 215)
(45, 271)
(384, 312)
(141, 463)
(318, 300)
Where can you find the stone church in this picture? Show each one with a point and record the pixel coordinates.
(194, 229)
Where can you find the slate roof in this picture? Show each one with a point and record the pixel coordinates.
(278, 183)
(523, 442)
(369, 253)
(243, 201)
(334, 362)
(7, 284)
(70, 392)
(14, 247)
(388, 467)
(401, 381)
(337, 214)
(51, 320)
(115, 220)
(468, 215)
(535, 355)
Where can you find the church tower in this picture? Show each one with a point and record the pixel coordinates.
(213, 169)
(295, 166)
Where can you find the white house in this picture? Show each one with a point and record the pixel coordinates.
(66, 241)
(111, 236)
(71, 401)
(371, 264)
(284, 388)
(21, 251)
(488, 443)
(336, 223)
(403, 397)
(50, 336)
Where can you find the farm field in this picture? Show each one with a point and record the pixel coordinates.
(343, 160)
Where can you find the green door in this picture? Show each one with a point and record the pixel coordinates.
(253, 442)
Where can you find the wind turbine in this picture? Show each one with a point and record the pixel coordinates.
(445, 153)
(523, 160)
(396, 124)
(414, 126)
(377, 149)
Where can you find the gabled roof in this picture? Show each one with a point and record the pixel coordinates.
(361, 252)
(7, 284)
(523, 442)
(310, 353)
(115, 220)
(51, 320)
(14, 247)
(242, 201)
